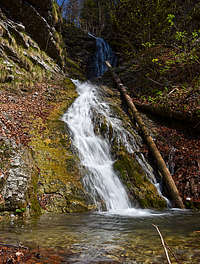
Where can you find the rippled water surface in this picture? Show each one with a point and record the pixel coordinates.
(94, 238)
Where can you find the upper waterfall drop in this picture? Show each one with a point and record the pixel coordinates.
(103, 53)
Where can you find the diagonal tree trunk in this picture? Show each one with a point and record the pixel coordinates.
(168, 180)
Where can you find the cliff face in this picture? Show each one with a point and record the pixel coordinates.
(37, 172)
(21, 53)
(39, 20)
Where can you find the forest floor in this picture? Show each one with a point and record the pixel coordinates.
(17, 110)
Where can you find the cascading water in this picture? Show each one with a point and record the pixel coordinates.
(94, 151)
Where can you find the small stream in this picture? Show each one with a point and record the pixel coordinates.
(102, 238)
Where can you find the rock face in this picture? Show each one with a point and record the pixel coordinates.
(44, 7)
(21, 57)
(39, 21)
(16, 181)
(80, 47)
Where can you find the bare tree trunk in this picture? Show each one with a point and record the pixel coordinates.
(172, 189)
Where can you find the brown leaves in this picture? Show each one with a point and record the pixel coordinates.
(18, 111)
(185, 158)
(11, 254)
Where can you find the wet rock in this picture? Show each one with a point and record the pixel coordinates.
(129, 164)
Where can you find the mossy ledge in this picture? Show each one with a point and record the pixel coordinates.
(139, 186)
(57, 184)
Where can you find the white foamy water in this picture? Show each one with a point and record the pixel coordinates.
(94, 151)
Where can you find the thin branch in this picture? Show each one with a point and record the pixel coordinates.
(197, 125)
(173, 91)
(173, 254)
(163, 244)
(154, 81)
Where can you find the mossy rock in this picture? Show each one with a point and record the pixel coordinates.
(138, 185)
(59, 182)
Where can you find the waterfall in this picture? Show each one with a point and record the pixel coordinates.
(94, 151)
(103, 53)
(100, 179)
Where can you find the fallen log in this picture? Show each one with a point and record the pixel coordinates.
(192, 120)
(167, 178)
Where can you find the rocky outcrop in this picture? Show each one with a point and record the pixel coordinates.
(80, 47)
(16, 179)
(21, 57)
(39, 23)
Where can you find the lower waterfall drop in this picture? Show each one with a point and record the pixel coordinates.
(100, 178)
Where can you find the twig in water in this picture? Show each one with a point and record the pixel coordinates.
(172, 253)
(163, 244)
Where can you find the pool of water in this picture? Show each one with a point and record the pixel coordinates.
(105, 238)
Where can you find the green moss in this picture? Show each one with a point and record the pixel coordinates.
(35, 208)
(74, 69)
(140, 188)
(59, 177)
